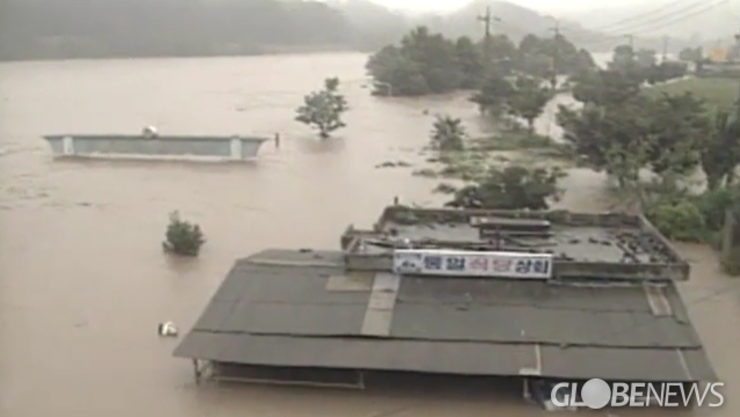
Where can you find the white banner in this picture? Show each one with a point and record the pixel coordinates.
(472, 263)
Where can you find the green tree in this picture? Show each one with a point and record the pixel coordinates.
(394, 74)
(323, 109)
(679, 131)
(549, 57)
(646, 58)
(531, 58)
(502, 51)
(691, 54)
(448, 133)
(604, 87)
(613, 138)
(436, 57)
(494, 95)
(183, 238)
(623, 59)
(721, 154)
(529, 99)
(665, 71)
(470, 60)
(679, 220)
(424, 63)
(512, 188)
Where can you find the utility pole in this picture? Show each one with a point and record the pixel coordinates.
(487, 20)
(665, 48)
(728, 232)
(556, 28)
(737, 101)
(630, 41)
(555, 55)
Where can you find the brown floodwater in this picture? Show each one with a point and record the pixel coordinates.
(84, 282)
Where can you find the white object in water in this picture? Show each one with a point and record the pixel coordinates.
(236, 147)
(167, 329)
(68, 146)
(149, 132)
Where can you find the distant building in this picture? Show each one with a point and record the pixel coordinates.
(535, 296)
(717, 54)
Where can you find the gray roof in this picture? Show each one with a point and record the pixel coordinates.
(599, 246)
(292, 308)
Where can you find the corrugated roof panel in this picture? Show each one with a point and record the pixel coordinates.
(296, 317)
(445, 357)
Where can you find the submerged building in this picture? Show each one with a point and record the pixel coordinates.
(551, 295)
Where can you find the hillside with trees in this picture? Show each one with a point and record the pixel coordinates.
(373, 24)
(511, 19)
(49, 29)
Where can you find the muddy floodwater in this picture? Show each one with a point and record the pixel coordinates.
(84, 282)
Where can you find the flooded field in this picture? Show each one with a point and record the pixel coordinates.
(83, 281)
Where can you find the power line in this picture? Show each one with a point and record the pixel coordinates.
(643, 28)
(649, 14)
(662, 21)
(659, 25)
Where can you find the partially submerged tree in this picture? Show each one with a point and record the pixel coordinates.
(494, 95)
(470, 60)
(721, 153)
(182, 237)
(323, 109)
(512, 188)
(529, 99)
(678, 134)
(622, 133)
(691, 54)
(428, 63)
(604, 87)
(614, 138)
(448, 134)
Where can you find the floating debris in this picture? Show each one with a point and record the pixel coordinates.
(149, 132)
(391, 164)
(167, 329)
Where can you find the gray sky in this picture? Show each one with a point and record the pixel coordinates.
(539, 5)
(567, 8)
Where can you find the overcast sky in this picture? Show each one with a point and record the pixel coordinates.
(540, 5)
(566, 7)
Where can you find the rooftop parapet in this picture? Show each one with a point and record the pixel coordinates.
(514, 244)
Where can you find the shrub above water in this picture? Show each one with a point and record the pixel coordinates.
(182, 237)
(681, 221)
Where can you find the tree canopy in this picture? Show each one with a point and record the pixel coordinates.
(514, 187)
(323, 109)
(448, 134)
(623, 131)
(642, 65)
(428, 63)
(182, 238)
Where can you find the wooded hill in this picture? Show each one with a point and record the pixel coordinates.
(56, 29)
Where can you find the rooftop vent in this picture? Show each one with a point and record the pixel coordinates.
(494, 226)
